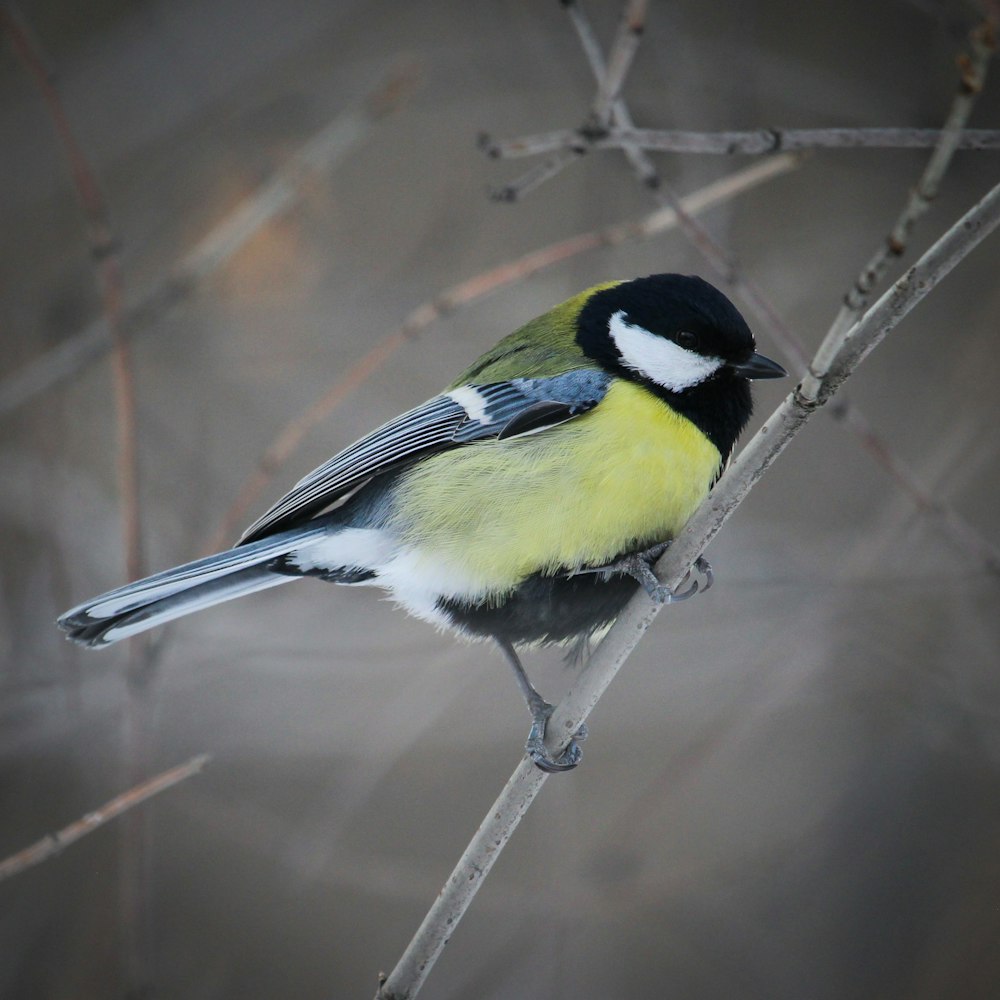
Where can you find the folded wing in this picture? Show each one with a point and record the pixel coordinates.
(468, 413)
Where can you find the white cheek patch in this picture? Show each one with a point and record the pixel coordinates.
(658, 359)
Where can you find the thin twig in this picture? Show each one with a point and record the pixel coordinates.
(755, 142)
(326, 148)
(640, 162)
(104, 248)
(414, 966)
(623, 50)
(722, 261)
(516, 189)
(972, 78)
(465, 294)
(54, 843)
(609, 84)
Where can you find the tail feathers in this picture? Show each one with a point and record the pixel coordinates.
(157, 599)
(104, 631)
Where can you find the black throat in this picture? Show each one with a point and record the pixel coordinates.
(719, 407)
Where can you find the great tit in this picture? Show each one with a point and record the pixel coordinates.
(526, 502)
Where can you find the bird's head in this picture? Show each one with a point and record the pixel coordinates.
(672, 332)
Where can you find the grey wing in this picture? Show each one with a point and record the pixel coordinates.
(468, 413)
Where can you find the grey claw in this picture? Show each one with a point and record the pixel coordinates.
(682, 595)
(665, 596)
(538, 752)
(705, 568)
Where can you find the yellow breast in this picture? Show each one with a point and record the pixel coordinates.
(624, 476)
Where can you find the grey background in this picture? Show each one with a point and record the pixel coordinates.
(791, 790)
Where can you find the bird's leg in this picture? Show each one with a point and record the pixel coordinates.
(639, 565)
(541, 710)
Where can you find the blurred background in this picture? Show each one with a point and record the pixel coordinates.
(792, 789)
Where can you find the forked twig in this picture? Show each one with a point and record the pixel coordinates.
(55, 843)
(623, 50)
(524, 784)
(971, 80)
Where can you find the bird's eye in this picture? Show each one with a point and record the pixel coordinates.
(685, 338)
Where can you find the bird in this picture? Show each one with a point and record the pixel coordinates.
(526, 503)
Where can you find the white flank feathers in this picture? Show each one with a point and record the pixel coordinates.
(346, 548)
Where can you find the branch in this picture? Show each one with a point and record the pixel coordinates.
(623, 50)
(326, 148)
(643, 166)
(756, 142)
(54, 843)
(524, 784)
(972, 77)
(722, 261)
(104, 249)
(606, 101)
(461, 296)
(535, 177)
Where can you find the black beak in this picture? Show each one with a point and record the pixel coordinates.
(757, 366)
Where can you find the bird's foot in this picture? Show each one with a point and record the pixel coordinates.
(539, 753)
(639, 565)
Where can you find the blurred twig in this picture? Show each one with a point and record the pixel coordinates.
(755, 142)
(55, 843)
(972, 73)
(524, 784)
(104, 248)
(274, 196)
(623, 50)
(465, 294)
(972, 78)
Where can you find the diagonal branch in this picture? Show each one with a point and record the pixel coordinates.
(972, 78)
(536, 176)
(722, 261)
(325, 149)
(609, 83)
(643, 166)
(623, 50)
(55, 843)
(104, 249)
(524, 784)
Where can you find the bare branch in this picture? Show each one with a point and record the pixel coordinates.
(465, 294)
(534, 177)
(972, 77)
(104, 248)
(758, 142)
(606, 101)
(623, 50)
(54, 843)
(276, 195)
(643, 166)
(726, 267)
(503, 817)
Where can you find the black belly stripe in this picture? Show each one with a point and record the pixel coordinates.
(545, 609)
